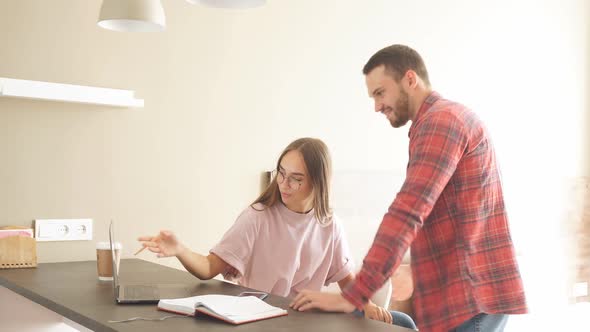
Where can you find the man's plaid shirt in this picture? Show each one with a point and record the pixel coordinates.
(451, 211)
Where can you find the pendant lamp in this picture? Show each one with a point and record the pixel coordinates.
(229, 3)
(132, 15)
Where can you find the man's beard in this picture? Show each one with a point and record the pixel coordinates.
(402, 107)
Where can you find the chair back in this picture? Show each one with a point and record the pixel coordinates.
(383, 296)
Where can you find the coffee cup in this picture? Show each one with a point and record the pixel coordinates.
(104, 261)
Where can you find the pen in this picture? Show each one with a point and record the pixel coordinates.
(140, 250)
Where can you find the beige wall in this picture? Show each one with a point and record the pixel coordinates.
(225, 91)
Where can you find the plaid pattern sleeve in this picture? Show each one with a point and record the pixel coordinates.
(450, 210)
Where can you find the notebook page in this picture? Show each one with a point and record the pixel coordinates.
(233, 306)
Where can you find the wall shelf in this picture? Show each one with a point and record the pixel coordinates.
(10, 87)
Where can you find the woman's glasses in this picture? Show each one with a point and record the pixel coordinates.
(292, 183)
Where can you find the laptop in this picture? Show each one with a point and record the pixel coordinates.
(142, 293)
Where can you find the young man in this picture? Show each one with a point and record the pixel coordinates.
(450, 210)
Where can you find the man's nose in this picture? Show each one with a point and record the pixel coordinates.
(378, 106)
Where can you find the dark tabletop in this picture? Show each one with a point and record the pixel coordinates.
(73, 290)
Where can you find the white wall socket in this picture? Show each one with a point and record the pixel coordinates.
(63, 229)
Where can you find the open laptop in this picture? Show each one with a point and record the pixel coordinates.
(142, 293)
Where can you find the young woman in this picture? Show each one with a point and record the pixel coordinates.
(287, 240)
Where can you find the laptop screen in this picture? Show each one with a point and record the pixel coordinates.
(114, 258)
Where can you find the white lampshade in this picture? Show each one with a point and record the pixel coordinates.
(230, 3)
(132, 15)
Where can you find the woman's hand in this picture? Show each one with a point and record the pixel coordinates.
(307, 300)
(165, 244)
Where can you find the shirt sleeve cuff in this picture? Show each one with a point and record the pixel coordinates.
(355, 295)
(343, 272)
(229, 258)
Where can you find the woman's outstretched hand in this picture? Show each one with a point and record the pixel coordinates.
(165, 244)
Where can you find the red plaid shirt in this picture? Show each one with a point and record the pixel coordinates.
(451, 211)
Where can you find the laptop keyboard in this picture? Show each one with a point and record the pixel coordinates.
(140, 292)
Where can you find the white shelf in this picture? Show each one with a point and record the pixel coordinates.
(10, 87)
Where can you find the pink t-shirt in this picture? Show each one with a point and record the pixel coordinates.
(283, 252)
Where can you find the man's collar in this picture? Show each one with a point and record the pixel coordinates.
(428, 102)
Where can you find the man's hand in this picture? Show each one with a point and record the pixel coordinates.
(375, 312)
(307, 300)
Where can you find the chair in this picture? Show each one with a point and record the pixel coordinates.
(383, 296)
(403, 289)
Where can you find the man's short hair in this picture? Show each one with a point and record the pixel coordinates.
(398, 59)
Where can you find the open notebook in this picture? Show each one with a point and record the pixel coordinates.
(232, 309)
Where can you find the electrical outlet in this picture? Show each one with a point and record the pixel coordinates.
(63, 229)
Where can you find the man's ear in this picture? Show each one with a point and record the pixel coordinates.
(411, 78)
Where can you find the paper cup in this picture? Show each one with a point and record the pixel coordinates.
(104, 265)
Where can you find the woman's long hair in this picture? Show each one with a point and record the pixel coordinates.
(319, 167)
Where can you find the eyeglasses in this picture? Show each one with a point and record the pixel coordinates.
(292, 183)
